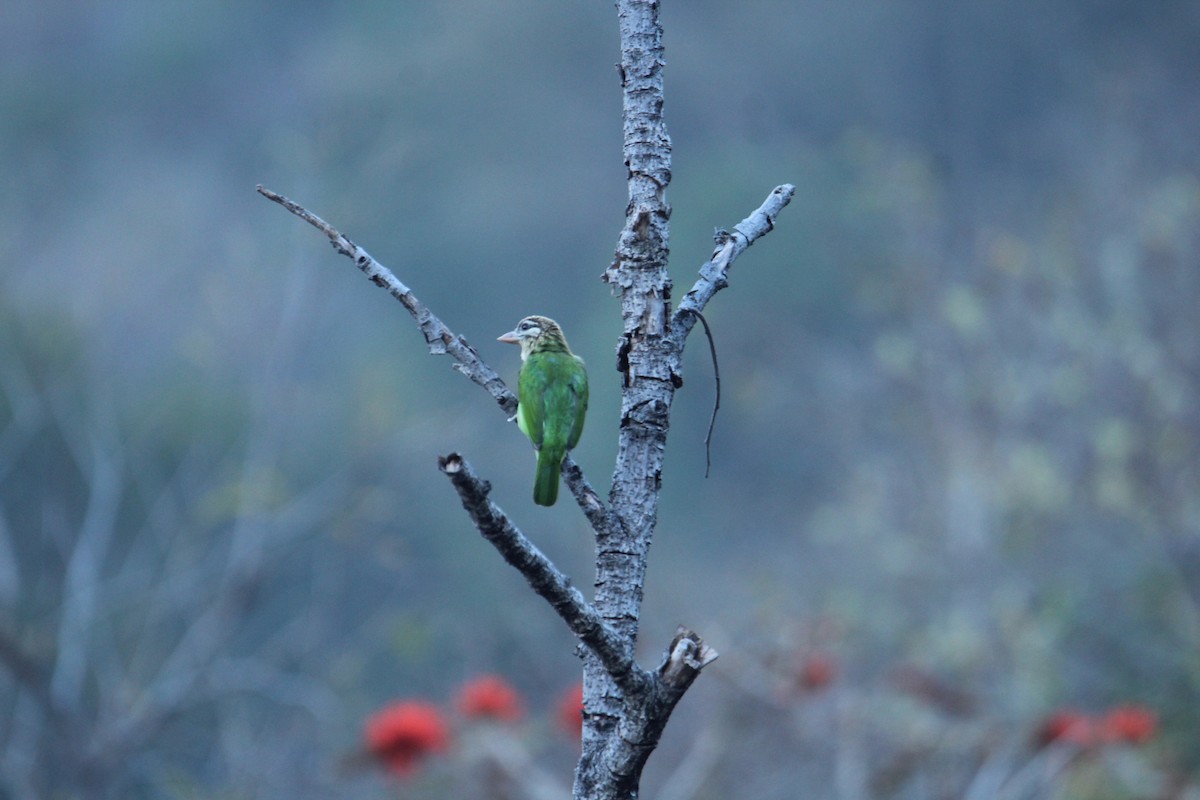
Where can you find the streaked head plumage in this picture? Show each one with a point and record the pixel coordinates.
(535, 333)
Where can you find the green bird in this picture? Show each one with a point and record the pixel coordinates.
(552, 395)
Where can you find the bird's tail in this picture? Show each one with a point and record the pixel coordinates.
(545, 482)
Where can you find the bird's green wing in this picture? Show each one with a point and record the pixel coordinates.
(552, 390)
(564, 399)
(579, 386)
(531, 395)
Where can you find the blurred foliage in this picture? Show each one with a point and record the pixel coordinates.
(960, 380)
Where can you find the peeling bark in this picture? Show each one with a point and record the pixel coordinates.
(626, 707)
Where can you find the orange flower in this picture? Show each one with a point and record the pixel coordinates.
(489, 697)
(570, 711)
(1132, 724)
(405, 733)
(1068, 726)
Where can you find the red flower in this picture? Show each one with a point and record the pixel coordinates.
(570, 711)
(405, 733)
(816, 671)
(1132, 724)
(1068, 726)
(489, 697)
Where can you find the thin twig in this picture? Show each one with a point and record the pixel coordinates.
(28, 672)
(712, 421)
(696, 767)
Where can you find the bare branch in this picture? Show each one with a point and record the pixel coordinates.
(687, 655)
(638, 273)
(646, 716)
(81, 584)
(602, 520)
(621, 732)
(612, 649)
(729, 246)
(627, 707)
(26, 671)
(442, 341)
(216, 598)
(439, 338)
(228, 676)
(507, 769)
(694, 771)
(649, 699)
(26, 410)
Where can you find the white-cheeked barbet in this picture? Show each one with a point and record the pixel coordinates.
(552, 394)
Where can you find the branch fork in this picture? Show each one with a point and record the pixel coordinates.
(627, 706)
(636, 714)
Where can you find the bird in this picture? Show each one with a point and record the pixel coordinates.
(552, 398)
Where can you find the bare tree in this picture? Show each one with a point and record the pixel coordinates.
(119, 626)
(626, 705)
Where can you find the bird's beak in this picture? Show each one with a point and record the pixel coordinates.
(509, 338)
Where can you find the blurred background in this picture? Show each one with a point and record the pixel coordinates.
(955, 473)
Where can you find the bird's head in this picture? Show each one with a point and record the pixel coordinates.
(536, 333)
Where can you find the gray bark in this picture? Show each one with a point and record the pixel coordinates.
(620, 729)
(626, 707)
